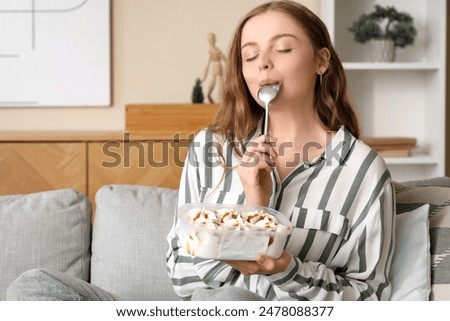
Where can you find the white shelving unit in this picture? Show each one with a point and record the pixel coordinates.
(404, 98)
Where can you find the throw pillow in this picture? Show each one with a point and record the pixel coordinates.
(44, 230)
(440, 250)
(410, 270)
(438, 196)
(129, 244)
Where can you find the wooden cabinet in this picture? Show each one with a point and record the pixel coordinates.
(30, 163)
(141, 162)
(151, 151)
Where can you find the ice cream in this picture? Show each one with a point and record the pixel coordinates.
(232, 232)
(231, 218)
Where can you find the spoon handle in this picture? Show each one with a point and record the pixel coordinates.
(266, 119)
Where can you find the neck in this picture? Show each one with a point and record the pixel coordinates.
(300, 137)
(295, 124)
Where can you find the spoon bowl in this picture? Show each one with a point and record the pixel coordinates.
(266, 94)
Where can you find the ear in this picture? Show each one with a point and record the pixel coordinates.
(323, 61)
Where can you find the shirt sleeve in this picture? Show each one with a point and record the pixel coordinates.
(185, 271)
(365, 276)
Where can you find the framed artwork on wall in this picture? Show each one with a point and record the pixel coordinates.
(55, 53)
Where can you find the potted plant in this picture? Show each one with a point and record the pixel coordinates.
(384, 28)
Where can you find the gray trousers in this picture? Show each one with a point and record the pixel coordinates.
(48, 285)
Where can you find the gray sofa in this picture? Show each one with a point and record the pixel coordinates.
(124, 249)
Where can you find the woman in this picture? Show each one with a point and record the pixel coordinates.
(311, 167)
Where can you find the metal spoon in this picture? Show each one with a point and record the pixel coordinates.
(266, 94)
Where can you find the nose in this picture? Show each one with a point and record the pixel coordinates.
(265, 62)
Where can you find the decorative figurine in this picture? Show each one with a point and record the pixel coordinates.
(197, 92)
(215, 61)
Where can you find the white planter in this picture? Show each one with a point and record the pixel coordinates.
(381, 50)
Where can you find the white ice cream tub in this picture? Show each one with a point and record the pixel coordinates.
(217, 241)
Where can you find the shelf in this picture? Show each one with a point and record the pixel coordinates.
(404, 98)
(391, 66)
(419, 159)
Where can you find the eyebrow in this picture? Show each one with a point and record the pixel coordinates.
(276, 37)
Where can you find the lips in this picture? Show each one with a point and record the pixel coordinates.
(268, 82)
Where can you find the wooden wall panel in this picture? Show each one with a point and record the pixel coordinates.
(35, 167)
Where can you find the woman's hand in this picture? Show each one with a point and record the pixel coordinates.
(255, 168)
(263, 265)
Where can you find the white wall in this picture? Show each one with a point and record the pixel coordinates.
(159, 48)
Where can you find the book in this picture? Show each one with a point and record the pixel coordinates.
(391, 146)
(402, 152)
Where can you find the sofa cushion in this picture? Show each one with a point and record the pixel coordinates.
(414, 196)
(44, 230)
(129, 241)
(410, 271)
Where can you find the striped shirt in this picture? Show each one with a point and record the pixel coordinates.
(342, 208)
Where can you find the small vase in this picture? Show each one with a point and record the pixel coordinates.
(382, 50)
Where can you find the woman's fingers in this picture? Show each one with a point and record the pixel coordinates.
(263, 264)
(260, 153)
(255, 168)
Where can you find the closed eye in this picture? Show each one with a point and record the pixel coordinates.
(251, 58)
(284, 50)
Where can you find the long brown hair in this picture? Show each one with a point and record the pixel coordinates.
(239, 113)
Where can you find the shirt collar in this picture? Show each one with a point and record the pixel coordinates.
(339, 148)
